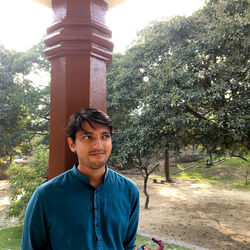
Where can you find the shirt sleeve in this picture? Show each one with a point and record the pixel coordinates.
(34, 230)
(133, 223)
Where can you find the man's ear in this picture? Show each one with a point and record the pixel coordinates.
(71, 145)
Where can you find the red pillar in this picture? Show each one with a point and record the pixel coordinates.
(79, 47)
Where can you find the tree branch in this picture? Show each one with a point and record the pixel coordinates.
(239, 157)
(151, 171)
(144, 176)
(194, 113)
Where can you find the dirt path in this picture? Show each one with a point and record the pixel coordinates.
(4, 204)
(196, 214)
(185, 211)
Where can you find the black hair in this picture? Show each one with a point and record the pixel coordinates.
(89, 115)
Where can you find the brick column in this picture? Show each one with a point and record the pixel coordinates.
(79, 47)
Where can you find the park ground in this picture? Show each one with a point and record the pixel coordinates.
(185, 211)
(196, 213)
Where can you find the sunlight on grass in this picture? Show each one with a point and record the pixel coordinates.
(180, 167)
(229, 173)
(242, 186)
(235, 161)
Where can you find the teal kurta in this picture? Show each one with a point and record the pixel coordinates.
(67, 213)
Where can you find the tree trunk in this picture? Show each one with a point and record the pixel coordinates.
(211, 159)
(166, 166)
(11, 158)
(175, 158)
(246, 177)
(145, 191)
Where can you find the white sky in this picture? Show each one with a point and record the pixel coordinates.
(23, 22)
(133, 15)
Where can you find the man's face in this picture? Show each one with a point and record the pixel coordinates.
(93, 147)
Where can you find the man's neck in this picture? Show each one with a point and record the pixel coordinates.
(96, 176)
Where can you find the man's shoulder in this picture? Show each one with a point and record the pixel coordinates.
(117, 177)
(57, 182)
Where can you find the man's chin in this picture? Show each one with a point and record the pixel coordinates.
(98, 166)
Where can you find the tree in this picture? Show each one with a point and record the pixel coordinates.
(37, 99)
(12, 112)
(123, 93)
(133, 148)
(193, 84)
(25, 107)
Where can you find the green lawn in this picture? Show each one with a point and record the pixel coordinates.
(227, 174)
(142, 240)
(10, 239)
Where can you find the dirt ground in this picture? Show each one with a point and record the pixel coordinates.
(196, 213)
(186, 211)
(4, 204)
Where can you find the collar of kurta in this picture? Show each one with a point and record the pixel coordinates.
(85, 179)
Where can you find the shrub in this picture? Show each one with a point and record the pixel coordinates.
(3, 168)
(24, 179)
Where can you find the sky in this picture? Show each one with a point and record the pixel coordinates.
(23, 23)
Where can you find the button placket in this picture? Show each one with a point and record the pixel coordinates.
(97, 215)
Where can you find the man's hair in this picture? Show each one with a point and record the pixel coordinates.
(88, 115)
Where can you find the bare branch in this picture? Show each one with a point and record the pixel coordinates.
(144, 176)
(154, 168)
(239, 157)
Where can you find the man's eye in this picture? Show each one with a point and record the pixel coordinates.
(87, 137)
(106, 136)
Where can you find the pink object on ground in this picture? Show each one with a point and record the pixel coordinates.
(159, 243)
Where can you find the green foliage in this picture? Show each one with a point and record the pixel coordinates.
(36, 100)
(122, 88)
(32, 60)
(24, 179)
(24, 110)
(12, 112)
(10, 238)
(185, 81)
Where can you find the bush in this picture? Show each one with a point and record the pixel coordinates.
(3, 168)
(24, 179)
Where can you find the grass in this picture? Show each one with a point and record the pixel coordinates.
(142, 240)
(228, 174)
(10, 239)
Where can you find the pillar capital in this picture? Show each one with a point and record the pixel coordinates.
(81, 30)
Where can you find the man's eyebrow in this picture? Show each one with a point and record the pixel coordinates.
(85, 132)
(106, 132)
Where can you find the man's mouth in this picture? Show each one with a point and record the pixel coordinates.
(96, 153)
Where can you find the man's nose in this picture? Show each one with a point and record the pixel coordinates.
(97, 143)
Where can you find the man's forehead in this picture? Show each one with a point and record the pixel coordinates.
(94, 127)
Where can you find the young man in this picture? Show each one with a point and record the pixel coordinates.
(90, 206)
